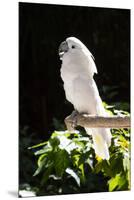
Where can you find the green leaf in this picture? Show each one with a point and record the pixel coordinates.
(116, 165)
(41, 159)
(43, 151)
(80, 144)
(45, 164)
(38, 145)
(81, 167)
(75, 158)
(113, 182)
(98, 167)
(74, 175)
(61, 162)
(45, 161)
(46, 175)
(60, 133)
(119, 182)
(54, 142)
(39, 169)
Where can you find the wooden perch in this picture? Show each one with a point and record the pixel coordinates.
(91, 121)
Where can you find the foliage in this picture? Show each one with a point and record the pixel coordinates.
(27, 161)
(67, 163)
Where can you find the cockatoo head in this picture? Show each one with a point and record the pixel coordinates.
(71, 45)
(74, 50)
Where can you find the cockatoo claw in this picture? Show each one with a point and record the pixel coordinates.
(71, 121)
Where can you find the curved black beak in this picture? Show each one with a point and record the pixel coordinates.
(63, 48)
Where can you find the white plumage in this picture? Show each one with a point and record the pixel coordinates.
(77, 72)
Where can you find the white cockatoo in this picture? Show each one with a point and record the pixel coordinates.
(77, 72)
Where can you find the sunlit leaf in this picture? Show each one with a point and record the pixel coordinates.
(113, 182)
(119, 182)
(39, 169)
(43, 151)
(41, 159)
(38, 145)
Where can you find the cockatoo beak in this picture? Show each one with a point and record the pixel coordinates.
(63, 48)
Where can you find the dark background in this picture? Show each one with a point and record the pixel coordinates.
(42, 27)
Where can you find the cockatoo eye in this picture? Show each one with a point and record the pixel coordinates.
(73, 46)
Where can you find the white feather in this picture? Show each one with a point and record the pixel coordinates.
(80, 88)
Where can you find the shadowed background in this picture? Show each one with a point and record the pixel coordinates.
(42, 27)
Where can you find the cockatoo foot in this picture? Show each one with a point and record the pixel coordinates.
(71, 121)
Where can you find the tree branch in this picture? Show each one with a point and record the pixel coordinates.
(91, 121)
